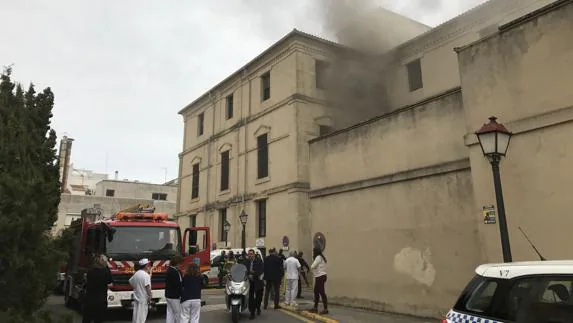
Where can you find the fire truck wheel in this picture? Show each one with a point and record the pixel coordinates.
(205, 281)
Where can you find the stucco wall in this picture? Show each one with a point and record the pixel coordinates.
(394, 199)
(523, 75)
(129, 189)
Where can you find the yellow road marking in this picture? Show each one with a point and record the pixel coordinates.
(318, 317)
(296, 316)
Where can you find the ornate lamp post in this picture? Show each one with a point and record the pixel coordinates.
(243, 217)
(226, 227)
(494, 140)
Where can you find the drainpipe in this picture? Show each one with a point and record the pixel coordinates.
(244, 116)
(209, 146)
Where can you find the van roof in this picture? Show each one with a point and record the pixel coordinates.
(525, 268)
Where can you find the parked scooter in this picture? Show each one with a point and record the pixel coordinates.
(237, 291)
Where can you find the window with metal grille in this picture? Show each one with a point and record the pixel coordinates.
(414, 69)
(110, 193)
(261, 218)
(229, 107)
(262, 156)
(222, 221)
(266, 86)
(225, 170)
(320, 71)
(159, 196)
(200, 123)
(195, 182)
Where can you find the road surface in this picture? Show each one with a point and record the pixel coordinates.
(213, 312)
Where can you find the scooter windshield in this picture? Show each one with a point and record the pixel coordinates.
(238, 273)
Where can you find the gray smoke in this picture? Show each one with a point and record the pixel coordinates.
(356, 87)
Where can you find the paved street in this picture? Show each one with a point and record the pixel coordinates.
(213, 311)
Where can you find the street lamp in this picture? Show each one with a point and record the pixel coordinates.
(494, 140)
(226, 227)
(243, 217)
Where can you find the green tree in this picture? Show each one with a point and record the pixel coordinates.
(29, 198)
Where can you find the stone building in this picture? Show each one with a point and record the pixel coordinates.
(406, 190)
(245, 145)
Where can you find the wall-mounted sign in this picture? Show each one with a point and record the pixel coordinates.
(260, 243)
(489, 214)
(285, 241)
(319, 241)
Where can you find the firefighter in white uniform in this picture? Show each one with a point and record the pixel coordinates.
(141, 283)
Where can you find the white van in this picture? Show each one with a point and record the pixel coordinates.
(524, 292)
(211, 277)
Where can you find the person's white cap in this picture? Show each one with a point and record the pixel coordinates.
(143, 262)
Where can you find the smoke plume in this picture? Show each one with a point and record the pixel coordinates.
(356, 88)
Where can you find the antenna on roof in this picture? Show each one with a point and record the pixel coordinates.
(532, 245)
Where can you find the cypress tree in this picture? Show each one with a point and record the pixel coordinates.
(29, 198)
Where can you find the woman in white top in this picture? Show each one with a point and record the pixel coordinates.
(318, 268)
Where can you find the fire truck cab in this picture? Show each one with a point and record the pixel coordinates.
(124, 239)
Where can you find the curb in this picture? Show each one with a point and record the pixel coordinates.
(308, 314)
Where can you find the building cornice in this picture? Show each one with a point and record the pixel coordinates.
(265, 58)
(240, 198)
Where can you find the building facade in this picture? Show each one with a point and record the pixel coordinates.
(139, 190)
(418, 187)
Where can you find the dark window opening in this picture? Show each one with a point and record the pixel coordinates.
(262, 156)
(261, 218)
(200, 124)
(225, 170)
(222, 221)
(229, 107)
(324, 130)
(415, 75)
(266, 86)
(321, 73)
(110, 193)
(159, 196)
(194, 220)
(195, 182)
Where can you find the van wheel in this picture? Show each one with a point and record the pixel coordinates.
(205, 281)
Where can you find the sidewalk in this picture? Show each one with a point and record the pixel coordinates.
(349, 315)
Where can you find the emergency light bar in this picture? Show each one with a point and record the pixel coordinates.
(126, 216)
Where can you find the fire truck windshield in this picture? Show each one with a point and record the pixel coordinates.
(151, 242)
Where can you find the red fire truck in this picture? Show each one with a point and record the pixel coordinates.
(125, 238)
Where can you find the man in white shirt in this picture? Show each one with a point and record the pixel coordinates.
(141, 284)
(292, 267)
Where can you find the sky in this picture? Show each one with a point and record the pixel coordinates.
(121, 70)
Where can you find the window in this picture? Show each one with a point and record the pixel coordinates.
(229, 107)
(324, 130)
(481, 299)
(194, 220)
(200, 123)
(110, 193)
(414, 69)
(195, 182)
(222, 221)
(225, 170)
(261, 218)
(320, 71)
(266, 86)
(159, 196)
(262, 156)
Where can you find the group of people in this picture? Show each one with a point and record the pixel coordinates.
(183, 290)
(266, 278)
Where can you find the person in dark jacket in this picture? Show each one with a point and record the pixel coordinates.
(98, 281)
(173, 285)
(303, 266)
(191, 294)
(273, 270)
(255, 270)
